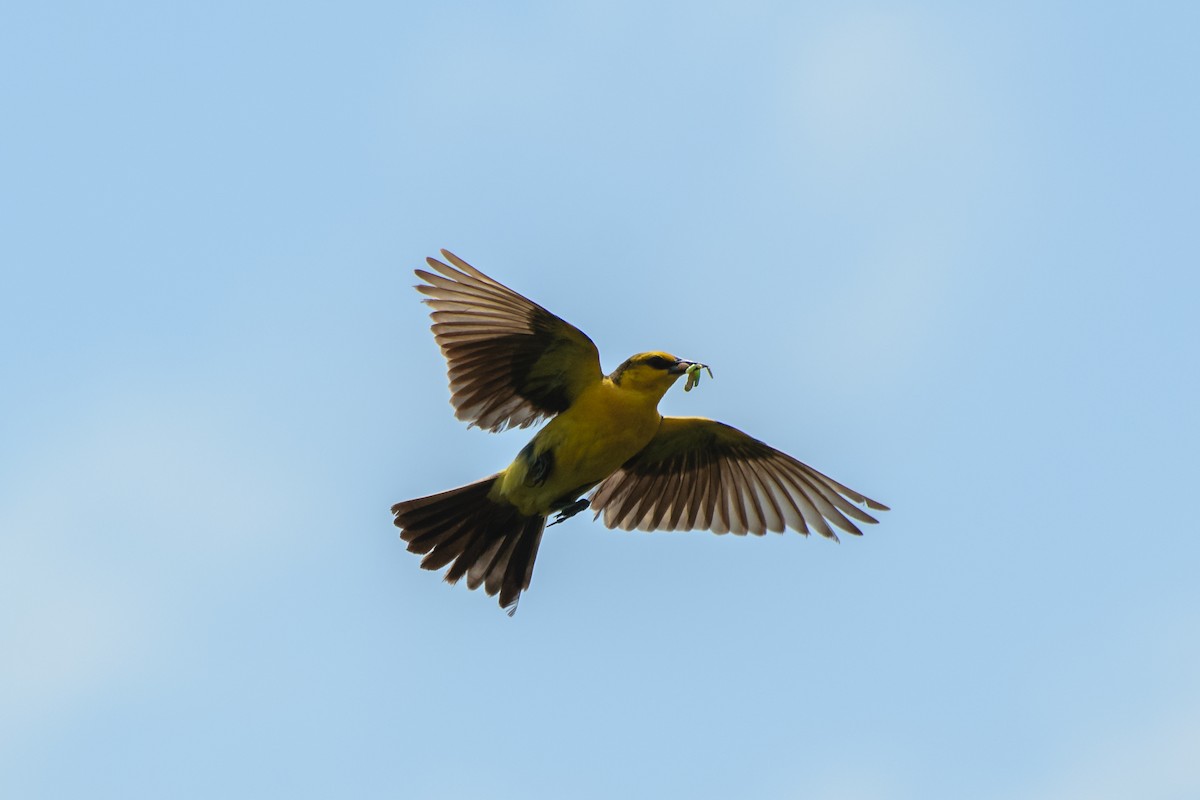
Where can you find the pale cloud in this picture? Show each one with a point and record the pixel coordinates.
(881, 120)
(865, 86)
(116, 517)
(1149, 758)
(67, 636)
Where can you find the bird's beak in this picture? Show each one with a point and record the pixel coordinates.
(681, 366)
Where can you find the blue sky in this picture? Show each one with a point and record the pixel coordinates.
(945, 254)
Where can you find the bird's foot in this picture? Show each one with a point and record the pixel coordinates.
(566, 513)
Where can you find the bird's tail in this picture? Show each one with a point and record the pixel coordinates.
(490, 542)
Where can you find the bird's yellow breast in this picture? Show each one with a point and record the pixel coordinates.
(603, 428)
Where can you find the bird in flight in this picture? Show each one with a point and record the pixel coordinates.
(512, 363)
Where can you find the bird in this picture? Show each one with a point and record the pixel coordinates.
(513, 364)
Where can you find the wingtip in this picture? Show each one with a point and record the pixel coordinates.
(456, 261)
(427, 277)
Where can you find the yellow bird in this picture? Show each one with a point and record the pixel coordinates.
(513, 363)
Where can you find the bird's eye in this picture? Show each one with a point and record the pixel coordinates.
(658, 362)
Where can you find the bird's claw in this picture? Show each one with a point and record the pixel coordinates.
(566, 513)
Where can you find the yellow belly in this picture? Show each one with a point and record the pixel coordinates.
(601, 430)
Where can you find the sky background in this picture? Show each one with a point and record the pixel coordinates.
(946, 254)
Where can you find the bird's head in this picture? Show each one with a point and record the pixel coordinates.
(650, 374)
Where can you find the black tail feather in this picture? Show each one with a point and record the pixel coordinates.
(489, 542)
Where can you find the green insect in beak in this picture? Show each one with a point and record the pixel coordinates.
(693, 375)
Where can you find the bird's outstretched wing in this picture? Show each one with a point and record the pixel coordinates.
(700, 474)
(511, 361)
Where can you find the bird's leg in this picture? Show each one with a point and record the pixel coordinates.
(569, 511)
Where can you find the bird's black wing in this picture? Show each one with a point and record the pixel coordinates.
(511, 362)
(700, 474)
